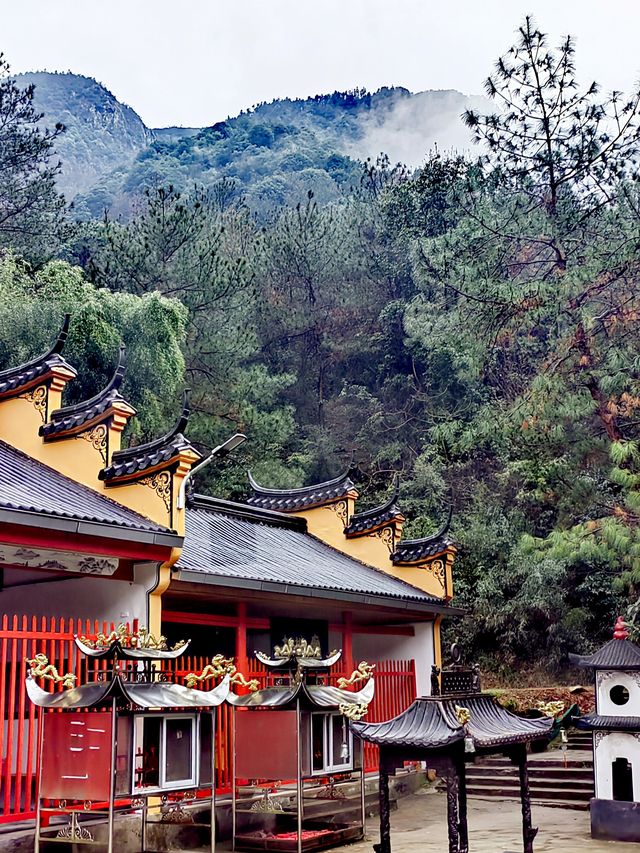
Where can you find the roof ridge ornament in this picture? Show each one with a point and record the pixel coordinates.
(140, 457)
(79, 416)
(620, 630)
(13, 380)
(302, 497)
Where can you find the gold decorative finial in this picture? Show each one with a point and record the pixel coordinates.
(353, 711)
(463, 715)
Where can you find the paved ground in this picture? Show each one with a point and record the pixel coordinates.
(419, 826)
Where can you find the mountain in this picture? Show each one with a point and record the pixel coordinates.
(270, 155)
(101, 134)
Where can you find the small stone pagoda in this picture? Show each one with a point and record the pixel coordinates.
(448, 729)
(615, 809)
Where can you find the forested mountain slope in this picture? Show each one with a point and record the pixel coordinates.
(101, 133)
(270, 155)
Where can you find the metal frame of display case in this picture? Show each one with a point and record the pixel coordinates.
(305, 694)
(82, 781)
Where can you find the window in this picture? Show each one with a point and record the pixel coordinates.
(622, 780)
(619, 695)
(165, 750)
(331, 743)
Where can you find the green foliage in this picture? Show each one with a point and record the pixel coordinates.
(152, 327)
(30, 207)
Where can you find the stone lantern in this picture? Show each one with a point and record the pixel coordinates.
(615, 809)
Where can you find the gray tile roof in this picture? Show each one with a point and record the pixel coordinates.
(71, 417)
(361, 522)
(30, 486)
(15, 378)
(290, 500)
(616, 654)
(414, 550)
(599, 721)
(225, 540)
(136, 460)
(431, 723)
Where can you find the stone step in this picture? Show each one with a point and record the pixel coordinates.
(558, 804)
(571, 782)
(546, 793)
(570, 774)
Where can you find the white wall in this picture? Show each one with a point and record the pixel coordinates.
(609, 746)
(372, 647)
(83, 597)
(605, 680)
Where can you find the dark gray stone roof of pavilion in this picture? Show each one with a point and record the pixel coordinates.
(229, 544)
(288, 500)
(136, 460)
(431, 723)
(616, 654)
(31, 492)
(75, 416)
(27, 374)
(368, 519)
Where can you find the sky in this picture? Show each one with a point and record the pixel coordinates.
(195, 62)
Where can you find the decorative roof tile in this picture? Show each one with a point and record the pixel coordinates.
(432, 723)
(292, 500)
(616, 654)
(125, 464)
(71, 418)
(242, 545)
(599, 721)
(414, 550)
(27, 485)
(369, 519)
(14, 379)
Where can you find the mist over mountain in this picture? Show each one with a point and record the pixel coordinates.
(270, 155)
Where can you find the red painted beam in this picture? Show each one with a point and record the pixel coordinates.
(214, 620)
(390, 630)
(61, 541)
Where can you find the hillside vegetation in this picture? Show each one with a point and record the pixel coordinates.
(269, 156)
(471, 324)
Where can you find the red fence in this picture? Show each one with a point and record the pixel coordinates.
(23, 637)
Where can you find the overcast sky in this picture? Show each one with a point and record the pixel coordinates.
(194, 62)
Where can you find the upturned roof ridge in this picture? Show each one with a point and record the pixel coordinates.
(138, 458)
(12, 378)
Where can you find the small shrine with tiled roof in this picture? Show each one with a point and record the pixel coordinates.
(448, 729)
(615, 809)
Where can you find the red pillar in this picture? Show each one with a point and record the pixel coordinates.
(347, 642)
(242, 661)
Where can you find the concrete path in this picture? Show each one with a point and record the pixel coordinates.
(419, 826)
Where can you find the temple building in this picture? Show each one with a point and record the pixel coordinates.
(93, 534)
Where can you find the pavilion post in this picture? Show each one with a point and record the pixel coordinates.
(529, 832)
(452, 807)
(385, 822)
(463, 828)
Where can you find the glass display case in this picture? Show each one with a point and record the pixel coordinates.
(298, 780)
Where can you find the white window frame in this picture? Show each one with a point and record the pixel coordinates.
(163, 785)
(327, 745)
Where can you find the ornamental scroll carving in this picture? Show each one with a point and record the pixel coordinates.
(38, 396)
(437, 569)
(386, 535)
(340, 509)
(161, 484)
(97, 438)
